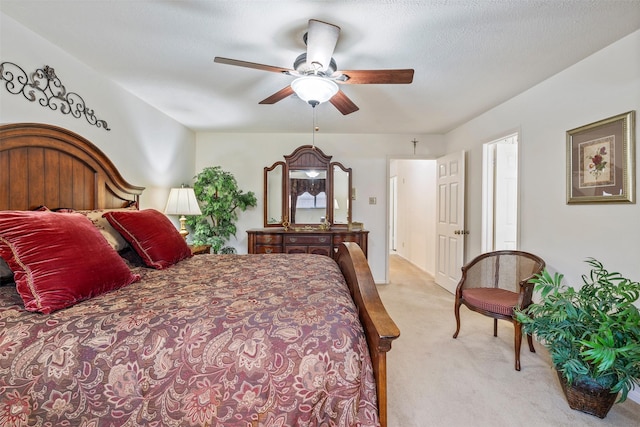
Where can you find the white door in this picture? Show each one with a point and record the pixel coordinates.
(506, 197)
(450, 232)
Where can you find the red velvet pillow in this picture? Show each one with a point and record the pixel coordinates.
(152, 235)
(58, 260)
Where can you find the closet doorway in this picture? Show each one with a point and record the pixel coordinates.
(500, 194)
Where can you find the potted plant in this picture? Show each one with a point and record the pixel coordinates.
(219, 198)
(592, 334)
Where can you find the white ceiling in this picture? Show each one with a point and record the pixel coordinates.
(468, 55)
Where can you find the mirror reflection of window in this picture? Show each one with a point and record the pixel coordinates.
(321, 200)
(305, 201)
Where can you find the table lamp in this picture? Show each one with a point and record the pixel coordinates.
(182, 201)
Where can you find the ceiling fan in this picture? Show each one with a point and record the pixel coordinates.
(316, 71)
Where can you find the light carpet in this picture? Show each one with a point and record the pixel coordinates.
(435, 380)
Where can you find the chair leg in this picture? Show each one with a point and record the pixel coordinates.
(530, 340)
(495, 327)
(456, 310)
(517, 326)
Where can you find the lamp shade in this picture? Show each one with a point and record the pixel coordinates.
(314, 89)
(182, 201)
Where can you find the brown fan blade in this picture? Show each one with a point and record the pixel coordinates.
(278, 96)
(364, 77)
(221, 60)
(343, 103)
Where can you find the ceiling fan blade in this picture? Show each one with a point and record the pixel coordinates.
(363, 77)
(321, 42)
(343, 103)
(221, 60)
(278, 96)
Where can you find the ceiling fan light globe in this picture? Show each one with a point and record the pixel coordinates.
(314, 89)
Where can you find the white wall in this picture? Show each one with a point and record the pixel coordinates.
(416, 219)
(149, 148)
(603, 85)
(246, 154)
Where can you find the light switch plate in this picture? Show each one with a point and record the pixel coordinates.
(372, 200)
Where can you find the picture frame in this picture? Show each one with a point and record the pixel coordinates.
(601, 161)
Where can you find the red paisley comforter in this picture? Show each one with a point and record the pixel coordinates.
(215, 340)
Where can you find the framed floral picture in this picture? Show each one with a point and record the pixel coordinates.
(601, 161)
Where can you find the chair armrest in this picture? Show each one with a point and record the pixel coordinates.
(526, 291)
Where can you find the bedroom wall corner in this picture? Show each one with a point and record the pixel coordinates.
(149, 148)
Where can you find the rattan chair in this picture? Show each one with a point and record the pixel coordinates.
(493, 284)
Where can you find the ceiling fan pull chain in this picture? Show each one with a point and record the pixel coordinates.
(313, 129)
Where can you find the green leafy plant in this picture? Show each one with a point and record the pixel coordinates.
(592, 334)
(219, 198)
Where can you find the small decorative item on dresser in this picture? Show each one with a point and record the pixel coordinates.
(200, 249)
(355, 226)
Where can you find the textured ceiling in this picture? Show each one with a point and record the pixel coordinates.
(468, 55)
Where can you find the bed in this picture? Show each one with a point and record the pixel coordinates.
(170, 339)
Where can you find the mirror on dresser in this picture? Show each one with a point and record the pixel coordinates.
(307, 196)
(307, 189)
(307, 206)
(341, 194)
(273, 195)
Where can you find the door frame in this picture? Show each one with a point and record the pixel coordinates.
(488, 187)
(387, 242)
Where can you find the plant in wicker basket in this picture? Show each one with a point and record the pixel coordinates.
(592, 334)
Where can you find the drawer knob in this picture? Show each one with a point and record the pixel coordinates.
(323, 239)
(268, 250)
(268, 239)
(293, 239)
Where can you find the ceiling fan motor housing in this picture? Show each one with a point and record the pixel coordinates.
(301, 66)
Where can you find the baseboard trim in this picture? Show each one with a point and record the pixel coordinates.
(634, 395)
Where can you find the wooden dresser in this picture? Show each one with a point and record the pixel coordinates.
(321, 242)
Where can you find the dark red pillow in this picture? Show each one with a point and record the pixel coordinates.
(59, 260)
(152, 235)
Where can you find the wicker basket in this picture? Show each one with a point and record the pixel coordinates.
(593, 401)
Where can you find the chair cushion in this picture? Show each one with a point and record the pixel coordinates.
(492, 299)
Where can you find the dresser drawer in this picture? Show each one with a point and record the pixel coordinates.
(268, 239)
(339, 238)
(322, 242)
(268, 249)
(295, 250)
(310, 239)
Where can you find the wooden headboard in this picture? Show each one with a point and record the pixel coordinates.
(47, 165)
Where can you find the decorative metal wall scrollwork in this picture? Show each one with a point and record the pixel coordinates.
(47, 89)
